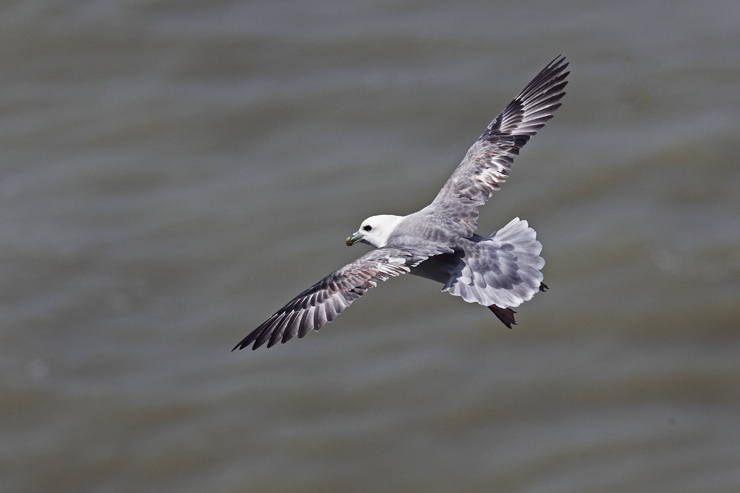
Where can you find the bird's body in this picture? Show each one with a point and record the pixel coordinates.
(438, 242)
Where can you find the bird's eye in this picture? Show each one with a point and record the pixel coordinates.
(367, 228)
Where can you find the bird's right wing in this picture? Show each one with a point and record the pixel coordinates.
(326, 299)
(487, 162)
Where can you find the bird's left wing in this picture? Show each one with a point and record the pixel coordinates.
(326, 299)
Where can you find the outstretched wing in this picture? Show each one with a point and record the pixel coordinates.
(486, 163)
(326, 299)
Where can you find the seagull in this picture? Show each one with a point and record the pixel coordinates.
(499, 271)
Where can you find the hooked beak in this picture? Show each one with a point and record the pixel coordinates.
(356, 236)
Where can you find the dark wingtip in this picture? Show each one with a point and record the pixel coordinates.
(247, 341)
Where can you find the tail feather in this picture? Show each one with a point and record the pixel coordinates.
(502, 269)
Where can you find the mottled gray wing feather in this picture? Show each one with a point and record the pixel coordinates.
(487, 162)
(326, 299)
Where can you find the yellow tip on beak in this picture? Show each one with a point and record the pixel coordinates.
(356, 236)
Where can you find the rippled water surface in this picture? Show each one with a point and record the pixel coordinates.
(172, 172)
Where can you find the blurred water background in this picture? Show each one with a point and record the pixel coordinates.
(172, 172)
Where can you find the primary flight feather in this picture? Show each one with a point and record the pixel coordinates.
(499, 271)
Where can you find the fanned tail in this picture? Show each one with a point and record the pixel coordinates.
(502, 269)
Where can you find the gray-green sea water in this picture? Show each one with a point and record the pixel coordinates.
(171, 173)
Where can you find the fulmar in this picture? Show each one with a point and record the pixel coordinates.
(499, 271)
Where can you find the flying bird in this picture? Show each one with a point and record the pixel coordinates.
(499, 271)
